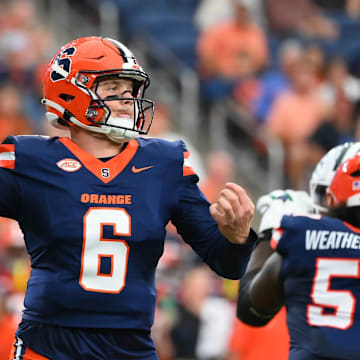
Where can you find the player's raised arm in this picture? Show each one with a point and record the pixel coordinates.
(220, 233)
(233, 212)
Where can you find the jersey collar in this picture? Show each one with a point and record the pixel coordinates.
(113, 166)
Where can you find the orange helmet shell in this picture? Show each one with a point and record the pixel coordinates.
(75, 68)
(345, 186)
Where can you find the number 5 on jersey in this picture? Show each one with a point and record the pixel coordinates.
(95, 248)
(342, 301)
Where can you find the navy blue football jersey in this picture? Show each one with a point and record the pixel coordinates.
(95, 229)
(321, 281)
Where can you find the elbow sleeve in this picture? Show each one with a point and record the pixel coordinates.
(246, 311)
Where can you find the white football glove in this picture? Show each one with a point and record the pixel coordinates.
(277, 203)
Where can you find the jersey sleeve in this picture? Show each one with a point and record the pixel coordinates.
(285, 236)
(291, 227)
(9, 188)
(288, 240)
(197, 227)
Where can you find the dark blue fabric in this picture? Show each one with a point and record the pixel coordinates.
(78, 245)
(307, 242)
(61, 343)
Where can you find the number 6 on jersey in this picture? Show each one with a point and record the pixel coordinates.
(95, 248)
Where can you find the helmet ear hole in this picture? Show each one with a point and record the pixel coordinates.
(330, 201)
(355, 173)
(66, 97)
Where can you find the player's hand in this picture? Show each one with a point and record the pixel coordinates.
(273, 206)
(233, 211)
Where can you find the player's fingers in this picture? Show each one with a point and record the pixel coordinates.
(216, 213)
(245, 201)
(224, 206)
(234, 187)
(232, 198)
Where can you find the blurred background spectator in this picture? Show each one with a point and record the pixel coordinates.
(300, 17)
(230, 50)
(258, 90)
(294, 116)
(203, 320)
(13, 119)
(276, 80)
(350, 7)
(211, 12)
(220, 168)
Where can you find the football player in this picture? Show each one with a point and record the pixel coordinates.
(93, 209)
(273, 206)
(315, 273)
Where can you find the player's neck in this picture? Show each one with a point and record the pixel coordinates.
(96, 145)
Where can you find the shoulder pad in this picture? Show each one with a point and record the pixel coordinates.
(7, 156)
(297, 221)
(14, 146)
(7, 153)
(293, 225)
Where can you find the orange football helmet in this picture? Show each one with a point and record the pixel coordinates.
(70, 83)
(344, 189)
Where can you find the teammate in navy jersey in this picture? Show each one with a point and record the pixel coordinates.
(274, 205)
(315, 272)
(93, 209)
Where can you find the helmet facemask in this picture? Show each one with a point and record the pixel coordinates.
(319, 198)
(119, 128)
(123, 127)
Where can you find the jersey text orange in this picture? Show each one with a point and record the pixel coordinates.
(106, 199)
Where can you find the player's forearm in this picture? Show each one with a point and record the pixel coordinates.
(262, 251)
(260, 293)
(246, 310)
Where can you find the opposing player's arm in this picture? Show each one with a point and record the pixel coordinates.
(260, 293)
(262, 251)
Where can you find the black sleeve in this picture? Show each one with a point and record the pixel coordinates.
(265, 235)
(245, 310)
(260, 293)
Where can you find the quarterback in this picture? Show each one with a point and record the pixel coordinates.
(93, 209)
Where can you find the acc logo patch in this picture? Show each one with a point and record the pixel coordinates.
(69, 165)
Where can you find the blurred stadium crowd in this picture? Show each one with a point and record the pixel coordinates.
(258, 89)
